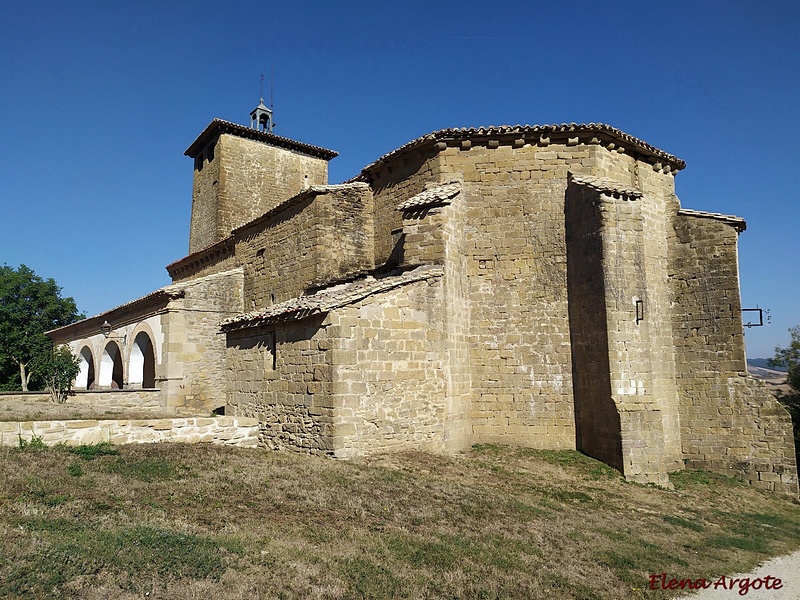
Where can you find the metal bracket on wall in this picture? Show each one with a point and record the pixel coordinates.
(760, 312)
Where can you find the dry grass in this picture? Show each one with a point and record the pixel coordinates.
(36, 410)
(174, 521)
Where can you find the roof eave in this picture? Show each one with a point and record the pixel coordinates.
(540, 135)
(218, 127)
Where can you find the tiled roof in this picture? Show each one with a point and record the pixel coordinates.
(135, 309)
(606, 186)
(540, 134)
(218, 126)
(435, 196)
(734, 221)
(329, 298)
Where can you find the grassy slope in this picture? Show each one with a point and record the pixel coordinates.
(199, 521)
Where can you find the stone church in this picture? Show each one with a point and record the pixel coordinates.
(536, 285)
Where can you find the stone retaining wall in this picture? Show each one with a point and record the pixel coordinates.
(140, 400)
(231, 431)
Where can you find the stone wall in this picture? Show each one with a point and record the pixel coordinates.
(507, 259)
(618, 286)
(326, 234)
(323, 234)
(241, 432)
(139, 400)
(597, 419)
(371, 375)
(237, 180)
(194, 356)
(729, 422)
(346, 238)
(281, 375)
(515, 262)
(390, 372)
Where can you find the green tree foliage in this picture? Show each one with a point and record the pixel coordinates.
(29, 306)
(59, 368)
(789, 357)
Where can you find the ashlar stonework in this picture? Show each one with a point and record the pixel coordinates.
(533, 285)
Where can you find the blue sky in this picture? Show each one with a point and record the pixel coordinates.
(100, 99)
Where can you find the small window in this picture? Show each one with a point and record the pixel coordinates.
(270, 353)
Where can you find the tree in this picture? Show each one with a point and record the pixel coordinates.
(789, 357)
(29, 306)
(59, 368)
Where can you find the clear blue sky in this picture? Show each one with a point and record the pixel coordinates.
(100, 99)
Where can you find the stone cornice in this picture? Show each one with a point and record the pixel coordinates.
(221, 249)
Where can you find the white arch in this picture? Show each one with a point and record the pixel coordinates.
(136, 362)
(141, 365)
(86, 374)
(110, 366)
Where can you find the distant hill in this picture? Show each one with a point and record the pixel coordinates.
(774, 378)
(763, 363)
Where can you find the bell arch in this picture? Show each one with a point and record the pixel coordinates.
(86, 375)
(142, 362)
(111, 371)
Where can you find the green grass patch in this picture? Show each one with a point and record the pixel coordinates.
(366, 578)
(147, 469)
(688, 478)
(92, 451)
(75, 470)
(679, 522)
(418, 552)
(35, 443)
(70, 553)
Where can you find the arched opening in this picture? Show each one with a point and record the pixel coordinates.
(142, 367)
(111, 367)
(85, 379)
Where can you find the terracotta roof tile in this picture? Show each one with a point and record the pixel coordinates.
(434, 196)
(330, 298)
(593, 132)
(737, 222)
(606, 186)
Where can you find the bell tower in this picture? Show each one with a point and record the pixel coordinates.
(261, 118)
(242, 172)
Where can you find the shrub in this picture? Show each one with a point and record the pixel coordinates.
(59, 368)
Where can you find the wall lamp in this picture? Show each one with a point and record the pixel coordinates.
(106, 328)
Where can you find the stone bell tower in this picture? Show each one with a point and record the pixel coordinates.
(242, 172)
